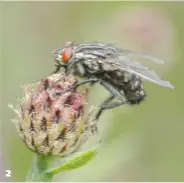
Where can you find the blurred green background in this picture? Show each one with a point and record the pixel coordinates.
(142, 143)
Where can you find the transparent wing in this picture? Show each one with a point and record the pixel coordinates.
(142, 55)
(124, 63)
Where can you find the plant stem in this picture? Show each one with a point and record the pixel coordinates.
(40, 168)
(38, 171)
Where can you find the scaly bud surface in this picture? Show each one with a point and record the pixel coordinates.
(50, 117)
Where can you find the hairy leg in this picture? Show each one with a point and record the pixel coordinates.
(102, 106)
(91, 81)
(58, 67)
(114, 105)
(107, 103)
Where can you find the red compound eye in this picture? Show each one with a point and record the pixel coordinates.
(67, 54)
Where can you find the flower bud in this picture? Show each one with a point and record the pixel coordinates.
(50, 117)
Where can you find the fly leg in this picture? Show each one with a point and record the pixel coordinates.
(114, 105)
(58, 67)
(116, 93)
(91, 81)
(94, 128)
(102, 106)
(106, 104)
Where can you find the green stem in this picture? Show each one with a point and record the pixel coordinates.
(38, 171)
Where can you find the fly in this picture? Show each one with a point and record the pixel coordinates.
(112, 67)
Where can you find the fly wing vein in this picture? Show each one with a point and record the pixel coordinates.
(124, 63)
